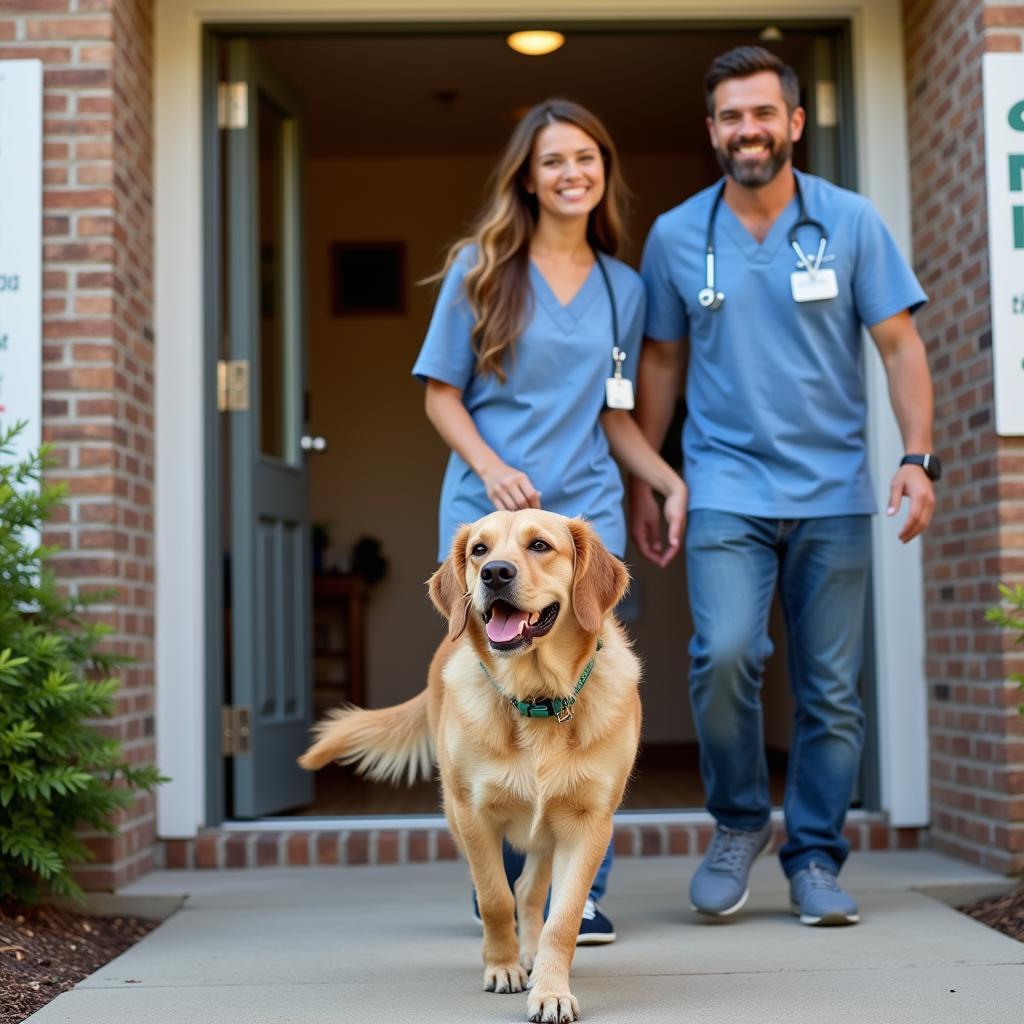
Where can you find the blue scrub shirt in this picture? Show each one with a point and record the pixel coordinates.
(544, 420)
(775, 389)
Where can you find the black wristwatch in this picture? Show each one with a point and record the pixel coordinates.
(929, 463)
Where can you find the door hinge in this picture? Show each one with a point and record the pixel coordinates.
(232, 385)
(235, 730)
(233, 105)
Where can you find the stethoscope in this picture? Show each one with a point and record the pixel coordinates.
(709, 297)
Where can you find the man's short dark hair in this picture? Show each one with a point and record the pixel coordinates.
(744, 61)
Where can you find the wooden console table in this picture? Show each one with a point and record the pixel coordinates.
(339, 610)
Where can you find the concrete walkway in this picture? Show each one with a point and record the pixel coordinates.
(397, 945)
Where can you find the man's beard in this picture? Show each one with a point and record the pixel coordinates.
(755, 175)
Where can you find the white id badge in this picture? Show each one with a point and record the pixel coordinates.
(814, 287)
(618, 393)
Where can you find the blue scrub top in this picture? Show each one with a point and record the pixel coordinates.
(775, 388)
(544, 420)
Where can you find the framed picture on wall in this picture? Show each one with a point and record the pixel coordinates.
(367, 278)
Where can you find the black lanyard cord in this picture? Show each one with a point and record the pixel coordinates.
(611, 298)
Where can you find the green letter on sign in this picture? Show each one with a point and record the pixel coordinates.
(1016, 172)
(1018, 227)
(1016, 117)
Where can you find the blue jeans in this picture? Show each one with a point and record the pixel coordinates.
(514, 861)
(820, 566)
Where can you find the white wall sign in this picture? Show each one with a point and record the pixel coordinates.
(1004, 156)
(21, 223)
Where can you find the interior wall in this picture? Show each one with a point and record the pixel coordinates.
(381, 472)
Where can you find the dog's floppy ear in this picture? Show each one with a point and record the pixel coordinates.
(448, 586)
(600, 578)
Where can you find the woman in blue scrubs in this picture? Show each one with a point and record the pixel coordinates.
(519, 349)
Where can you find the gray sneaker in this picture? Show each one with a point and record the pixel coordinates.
(719, 886)
(817, 897)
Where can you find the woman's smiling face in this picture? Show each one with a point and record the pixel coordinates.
(566, 171)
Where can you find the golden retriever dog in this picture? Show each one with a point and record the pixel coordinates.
(533, 715)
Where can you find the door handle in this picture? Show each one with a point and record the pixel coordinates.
(313, 443)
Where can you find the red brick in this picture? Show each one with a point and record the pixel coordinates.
(387, 847)
(48, 55)
(298, 849)
(327, 848)
(446, 848)
(268, 850)
(357, 848)
(417, 846)
(206, 850)
(33, 6)
(69, 28)
(704, 834)
(678, 840)
(1003, 16)
(624, 840)
(176, 853)
(91, 305)
(650, 841)
(95, 105)
(235, 850)
(79, 199)
(94, 174)
(98, 53)
(94, 149)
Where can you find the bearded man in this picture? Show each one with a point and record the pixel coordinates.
(760, 287)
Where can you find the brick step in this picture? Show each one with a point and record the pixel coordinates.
(354, 842)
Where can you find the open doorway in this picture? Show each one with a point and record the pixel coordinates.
(400, 133)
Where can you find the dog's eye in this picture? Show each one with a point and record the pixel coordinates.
(539, 545)
(478, 550)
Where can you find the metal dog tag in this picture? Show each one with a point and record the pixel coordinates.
(618, 393)
(809, 287)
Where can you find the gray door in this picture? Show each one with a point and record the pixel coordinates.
(269, 504)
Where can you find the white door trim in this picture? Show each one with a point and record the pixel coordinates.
(181, 616)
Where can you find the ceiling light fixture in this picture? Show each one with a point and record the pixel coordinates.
(770, 34)
(536, 42)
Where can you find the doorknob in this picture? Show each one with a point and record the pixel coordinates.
(313, 443)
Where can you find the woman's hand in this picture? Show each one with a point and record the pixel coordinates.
(509, 489)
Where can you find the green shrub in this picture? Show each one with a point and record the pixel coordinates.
(57, 773)
(1011, 617)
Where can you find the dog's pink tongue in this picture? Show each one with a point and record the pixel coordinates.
(504, 625)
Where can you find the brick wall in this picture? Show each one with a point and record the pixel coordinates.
(98, 341)
(977, 539)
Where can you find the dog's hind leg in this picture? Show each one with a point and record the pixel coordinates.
(531, 895)
(481, 840)
(580, 843)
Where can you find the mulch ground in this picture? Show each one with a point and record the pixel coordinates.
(1004, 913)
(45, 951)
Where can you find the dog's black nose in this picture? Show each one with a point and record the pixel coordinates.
(495, 575)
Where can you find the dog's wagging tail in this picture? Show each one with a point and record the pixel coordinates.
(385, 744)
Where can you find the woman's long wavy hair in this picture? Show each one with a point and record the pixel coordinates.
(497, 286)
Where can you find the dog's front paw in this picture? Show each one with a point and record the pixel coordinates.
(552, 1007)
(504, 978)
(526, 958)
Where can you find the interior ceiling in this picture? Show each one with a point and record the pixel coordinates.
(390, 95)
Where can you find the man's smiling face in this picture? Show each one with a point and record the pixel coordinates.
(752, 131)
